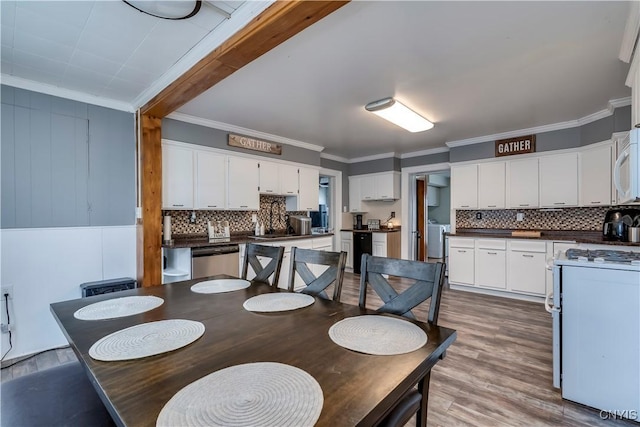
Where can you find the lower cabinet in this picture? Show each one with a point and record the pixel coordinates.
(346, 245)
(461, 261)
(527, 267)
(490, 263)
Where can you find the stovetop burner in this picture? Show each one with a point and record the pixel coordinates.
(604, 255)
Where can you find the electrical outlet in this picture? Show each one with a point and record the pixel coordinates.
(519, 216)
(254, 217)
(478, 215)
(393, 214)
(192, 218)
(6, 290)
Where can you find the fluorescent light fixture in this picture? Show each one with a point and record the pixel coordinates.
(175, 9)
(399, 114)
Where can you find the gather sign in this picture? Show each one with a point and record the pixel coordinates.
(254, 144)
(519, 145)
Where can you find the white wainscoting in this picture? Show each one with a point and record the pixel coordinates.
(46, 265)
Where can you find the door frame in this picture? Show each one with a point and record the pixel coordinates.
(335, 183)
(408, 191)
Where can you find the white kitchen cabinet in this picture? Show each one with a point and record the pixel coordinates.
(559, 180)
(464, 186)
(288, 180)
(367, 188)
(355, 194)
(321, 244)
(433, 195)
(269, 177)
(211, 180)
(595, 176)
(380, 186)
(490, 263)
(309, 185)
(243, 181)
(437, 181)
(527, 267)
(176, 264)
(379, 244)
(346, 245)
(461, 260)
(522, 184)
(177, 177)
(491, 185)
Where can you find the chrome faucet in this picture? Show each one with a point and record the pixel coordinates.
(271, 230)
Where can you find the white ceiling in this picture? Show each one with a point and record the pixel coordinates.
(473, 68)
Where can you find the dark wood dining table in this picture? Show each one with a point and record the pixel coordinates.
(359, 389)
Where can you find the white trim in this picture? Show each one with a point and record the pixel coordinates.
(630, 34)
(612, 105)
(497, 293)
(335, 158)
(427, 152)
(244, 131)
(336, 175)
(239, 19)
(373, 157)
(65, 93)
(406, 202)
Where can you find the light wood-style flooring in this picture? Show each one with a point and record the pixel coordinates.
(497, 373)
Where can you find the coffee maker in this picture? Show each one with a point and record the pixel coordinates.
(617, 222)
(357, 222)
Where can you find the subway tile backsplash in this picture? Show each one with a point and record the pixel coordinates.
(239, 221)
(588, 219)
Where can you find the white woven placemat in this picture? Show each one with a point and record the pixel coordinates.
(146, 339)
(118, 307)
(218, 286)
(280, 301)
(253, 394)
(379, 335)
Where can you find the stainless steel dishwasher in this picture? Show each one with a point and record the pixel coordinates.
(213, 260)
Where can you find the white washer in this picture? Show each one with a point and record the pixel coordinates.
(434, 239)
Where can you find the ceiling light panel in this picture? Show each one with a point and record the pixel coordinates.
(399, 114)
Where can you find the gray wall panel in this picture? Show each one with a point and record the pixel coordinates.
(483, 150)
(22, 98)
(373, 166)
(22, 127)
(597, 131)
(558, 139)
(425, 160)
(344, 168)
(622, 119)
(7, 95)
(7, 157)
(216, 138)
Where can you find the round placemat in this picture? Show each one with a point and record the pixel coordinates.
(118, 307)
(379, 335)
(147, 339)
(280, 301)
(218, 286)
(253, 394)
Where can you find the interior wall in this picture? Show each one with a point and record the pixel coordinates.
(442, 213)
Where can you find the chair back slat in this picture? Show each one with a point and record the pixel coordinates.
(269, 273)
(301, 259)
(429, 279)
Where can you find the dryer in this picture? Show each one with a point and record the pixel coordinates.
(434, 239)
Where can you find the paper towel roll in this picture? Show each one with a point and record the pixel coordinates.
(166, 228)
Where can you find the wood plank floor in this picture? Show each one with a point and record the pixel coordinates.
(497, 373)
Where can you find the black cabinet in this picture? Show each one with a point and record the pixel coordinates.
(361, 245)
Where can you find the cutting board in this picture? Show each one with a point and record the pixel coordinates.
(526, 233)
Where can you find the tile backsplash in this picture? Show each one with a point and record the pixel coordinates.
(239, 221)
(589, 219)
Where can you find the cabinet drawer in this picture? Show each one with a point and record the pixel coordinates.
(527, 246)
(379, 238)
(458, 242)
(320, 242)
(498, 244)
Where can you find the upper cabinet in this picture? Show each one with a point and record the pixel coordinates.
(177, 177)
(491, 185)
(309, 189)
(522, 184)
(276, 178)
(243, 181)
(289, 180)
(211, 180)
(464, 187)
(355, 194)
(594, 166)
(559, 180)
(380, 186)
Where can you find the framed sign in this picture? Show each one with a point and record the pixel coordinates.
(254, 144)
(519, 145)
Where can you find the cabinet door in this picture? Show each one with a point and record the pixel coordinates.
(559, 180)
(211, 180)
(309, 182)
(243, 179)
(461, 265)
(433, 196)
(595, 176)
(269, 177)
(288, 180)
(379, 244)
(490, 268)
(355, 198)
(491, 185)
(464, 187)
(527, 272)
(177, 177)
(523, 184)
(368, 188)
(346, 245)
(387, 186)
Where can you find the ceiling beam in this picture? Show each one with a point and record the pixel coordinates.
(276, 24)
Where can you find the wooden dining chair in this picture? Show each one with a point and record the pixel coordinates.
(254, 256)
(429, 280)
(302, 262)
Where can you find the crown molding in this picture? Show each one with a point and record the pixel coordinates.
(65, 93)
(373, 157)
(244, 131)
(335, 158)
(630, 35)
(612, 105)
(239, 19)
(428, 152)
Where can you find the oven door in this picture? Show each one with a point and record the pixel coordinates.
(554, 301)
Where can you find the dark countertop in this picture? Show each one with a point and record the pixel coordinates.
(201, 240)
(579, 236)
(382, 230)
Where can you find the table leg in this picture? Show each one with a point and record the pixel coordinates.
(423, 389)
